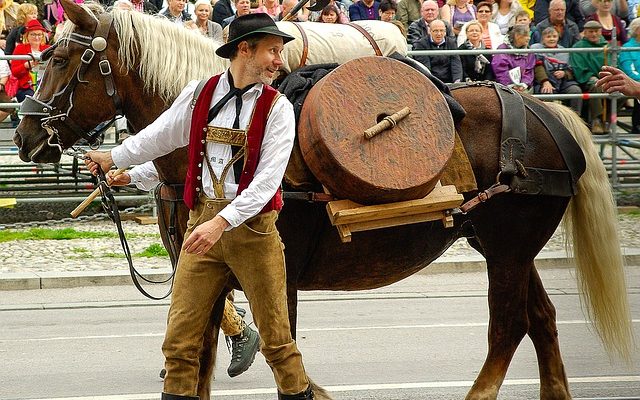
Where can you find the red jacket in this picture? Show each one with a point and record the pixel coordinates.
(17, 66)
(255, 135)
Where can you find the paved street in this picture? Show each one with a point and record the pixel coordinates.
(422, 338)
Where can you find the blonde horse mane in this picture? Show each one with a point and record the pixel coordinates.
(166, 55)
(593, 223)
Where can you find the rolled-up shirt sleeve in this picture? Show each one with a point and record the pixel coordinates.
(167, 133)
(144, 176)
(274, 156)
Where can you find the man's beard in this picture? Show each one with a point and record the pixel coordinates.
(259, 72)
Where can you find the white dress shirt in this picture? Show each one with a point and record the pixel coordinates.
(171, 131)
(144, 176)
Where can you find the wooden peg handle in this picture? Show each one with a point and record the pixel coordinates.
(92, 196)
(388, 122)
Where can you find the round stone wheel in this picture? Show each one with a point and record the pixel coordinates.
(401, 163)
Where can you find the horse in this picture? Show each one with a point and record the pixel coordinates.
(152, 60)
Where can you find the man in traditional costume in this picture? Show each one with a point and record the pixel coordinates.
(234, 203)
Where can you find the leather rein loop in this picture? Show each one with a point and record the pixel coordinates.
(58, 109)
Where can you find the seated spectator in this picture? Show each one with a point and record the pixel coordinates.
(387, 10)
(586, 67)
(567, 29)
(475, 67)
(270, 7)
(491, 36)
(504, 14)
(409, 11)
(207, 27)
(609, 22)
(26, 12)
(34, 43)
(552, 72)
(629, 62)
(364, 9)
(572, 7)
(342, 16)
(523, 18)
(243, 7)
(222, 9)
(329, 15)
(5, 72)
(420, 28)
(446, 68)
(621, 8)
(287, 5)
(515, 70)
(176, 12)
(456, 13)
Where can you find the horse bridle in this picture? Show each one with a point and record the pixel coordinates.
(58, 108)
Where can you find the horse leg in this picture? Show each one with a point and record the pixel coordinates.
(508, 323)
(544, 335)
(210, 347)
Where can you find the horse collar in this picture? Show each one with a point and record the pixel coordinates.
(50, 113)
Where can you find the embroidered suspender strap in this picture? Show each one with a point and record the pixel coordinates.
(305, 45)
(233, 137)
(366, 34)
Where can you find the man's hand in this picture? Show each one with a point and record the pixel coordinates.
(118, 180)
(559, 74)
(547, 88)
(95, 159)
(614, 80)
(205, 236)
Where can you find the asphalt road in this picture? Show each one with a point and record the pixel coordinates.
(423, 338)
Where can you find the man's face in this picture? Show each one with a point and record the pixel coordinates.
(429, 11)
(593, 34)
(243, 7)
(177, 5)
(437, 30)
(557, 11)
(264, 61)
(523, 21)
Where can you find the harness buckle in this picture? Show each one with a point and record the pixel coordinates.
(105, 67)
(87, 56)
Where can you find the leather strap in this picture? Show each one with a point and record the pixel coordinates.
(484, 196)
(366, 34)
(308, 196)
(305, 45)
(514, 131)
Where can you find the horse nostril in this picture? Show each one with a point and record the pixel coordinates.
(17, 139)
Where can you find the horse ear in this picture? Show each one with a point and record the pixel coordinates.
(78, 15)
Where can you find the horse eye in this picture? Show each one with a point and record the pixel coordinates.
(58, 60)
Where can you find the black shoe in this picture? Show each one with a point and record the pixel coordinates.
(243, 351)
(167, 396)
(241, 311)
(306, 395)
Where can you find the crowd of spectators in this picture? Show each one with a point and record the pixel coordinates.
(427, 25)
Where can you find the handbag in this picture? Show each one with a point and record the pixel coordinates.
(12, 86)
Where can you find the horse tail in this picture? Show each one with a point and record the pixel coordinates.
(593, 223)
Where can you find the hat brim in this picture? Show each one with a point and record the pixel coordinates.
(227, 49)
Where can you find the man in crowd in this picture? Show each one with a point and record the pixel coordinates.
(221, 10)
(446, 68)
(364, 9)
(572, 7)
(568, 31)
(586, 67)
(409, 11)
(176, 12)
(243, 7)
(420, 28)
(236, 116)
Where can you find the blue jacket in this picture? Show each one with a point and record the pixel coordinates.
(629, 61)
(358, 11)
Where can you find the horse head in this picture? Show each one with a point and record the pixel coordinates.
(79, 66)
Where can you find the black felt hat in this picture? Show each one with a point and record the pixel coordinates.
(243, 27)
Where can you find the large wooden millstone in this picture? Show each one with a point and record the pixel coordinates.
(401, 163)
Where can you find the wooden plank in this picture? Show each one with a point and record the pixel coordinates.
(396, 221)
(146, 220)
(348, 212)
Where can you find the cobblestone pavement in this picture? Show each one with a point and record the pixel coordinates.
(105, 254)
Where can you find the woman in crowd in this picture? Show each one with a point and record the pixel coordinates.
(270, 7)
(629, 62)
(343, 12)
(330, 14)
(609, 21)
(475, 67)
(34, 43)
(387, 10)
(456, 13)
(504, 14)
(207, 27)
(26, 12)
(491, 36)
(515, 70)
(552, 72)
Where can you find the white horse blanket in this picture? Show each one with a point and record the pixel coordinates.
(339, 43)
